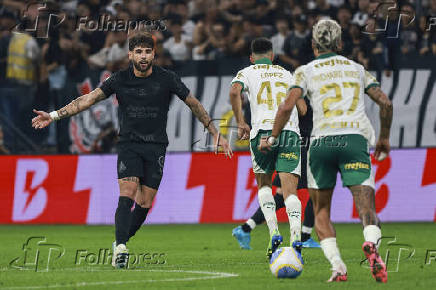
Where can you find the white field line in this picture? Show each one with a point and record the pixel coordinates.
(208, 275)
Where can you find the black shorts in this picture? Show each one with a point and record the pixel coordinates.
(142, 160)
(302, 181)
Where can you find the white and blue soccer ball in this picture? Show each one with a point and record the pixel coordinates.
(286, 263)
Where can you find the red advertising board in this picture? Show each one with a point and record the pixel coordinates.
(196, 188)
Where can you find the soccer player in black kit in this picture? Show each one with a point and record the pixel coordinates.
(144, 93)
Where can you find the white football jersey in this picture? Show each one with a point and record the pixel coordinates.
(266, 86)
(336, 88)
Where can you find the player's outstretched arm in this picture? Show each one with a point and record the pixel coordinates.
(386, 111)
(236, 101)
(201, 114)
(282, 116)
(43, 119)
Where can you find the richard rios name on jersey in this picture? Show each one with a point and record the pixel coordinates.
(266, 86)
(336, 87)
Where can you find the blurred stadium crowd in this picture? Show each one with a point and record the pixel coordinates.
(60, 35)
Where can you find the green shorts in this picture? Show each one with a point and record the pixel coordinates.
(348, 154)
(284, 157)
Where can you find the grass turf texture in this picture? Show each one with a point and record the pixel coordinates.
(211, 248)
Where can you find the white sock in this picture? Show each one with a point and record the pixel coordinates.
(293, 209)
(331, 252)
(306, 230)
(372, 234)
(251, 223)
(268, 206)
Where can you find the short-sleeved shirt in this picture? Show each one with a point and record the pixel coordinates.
(144, 102)
(266, 86)
(335, 87)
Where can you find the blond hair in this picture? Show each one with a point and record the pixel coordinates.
(327, 35)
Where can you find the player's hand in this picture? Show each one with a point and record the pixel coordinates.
(243, 131)
(382, 149)
(42, 120)
(264, 145)
(222, 142)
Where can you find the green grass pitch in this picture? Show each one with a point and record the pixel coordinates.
(204, 257)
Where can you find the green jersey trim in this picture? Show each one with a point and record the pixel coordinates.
(371, 85)
(242, 84)
(264, 60)
(326, 55)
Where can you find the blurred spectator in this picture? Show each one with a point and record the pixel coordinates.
(336, 3)
(361, 16)
(323, 8)
(92, 40)
(409, 32)
(178, 45)
(230, 11)
(354, 5)
(106, 140)
(278, 39)
(215, 46)
(344, 19)
(297, 44)
(18, 89)
(263, 14)
(373, 48)
(424, 37)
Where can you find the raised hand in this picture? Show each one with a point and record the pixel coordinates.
(42, 119)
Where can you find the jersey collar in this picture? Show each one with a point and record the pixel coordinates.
(326, 55)
(264, 60)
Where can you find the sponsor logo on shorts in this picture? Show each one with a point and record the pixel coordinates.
(289, 156)
(356, 166)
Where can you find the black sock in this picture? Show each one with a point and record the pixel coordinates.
(138, 217)
(309, 220)
(246, 228)
(122, 219)
(280, 202)
(305, 237)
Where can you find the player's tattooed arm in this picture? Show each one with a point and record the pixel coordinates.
(201, 114)
(386, 110)
(82, 103)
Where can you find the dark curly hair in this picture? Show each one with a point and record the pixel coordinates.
(142, 39)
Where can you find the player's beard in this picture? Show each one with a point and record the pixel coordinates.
(139, 68)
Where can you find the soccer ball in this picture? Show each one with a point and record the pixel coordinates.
(286, 263)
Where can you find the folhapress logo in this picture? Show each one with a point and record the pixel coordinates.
(38, 255)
